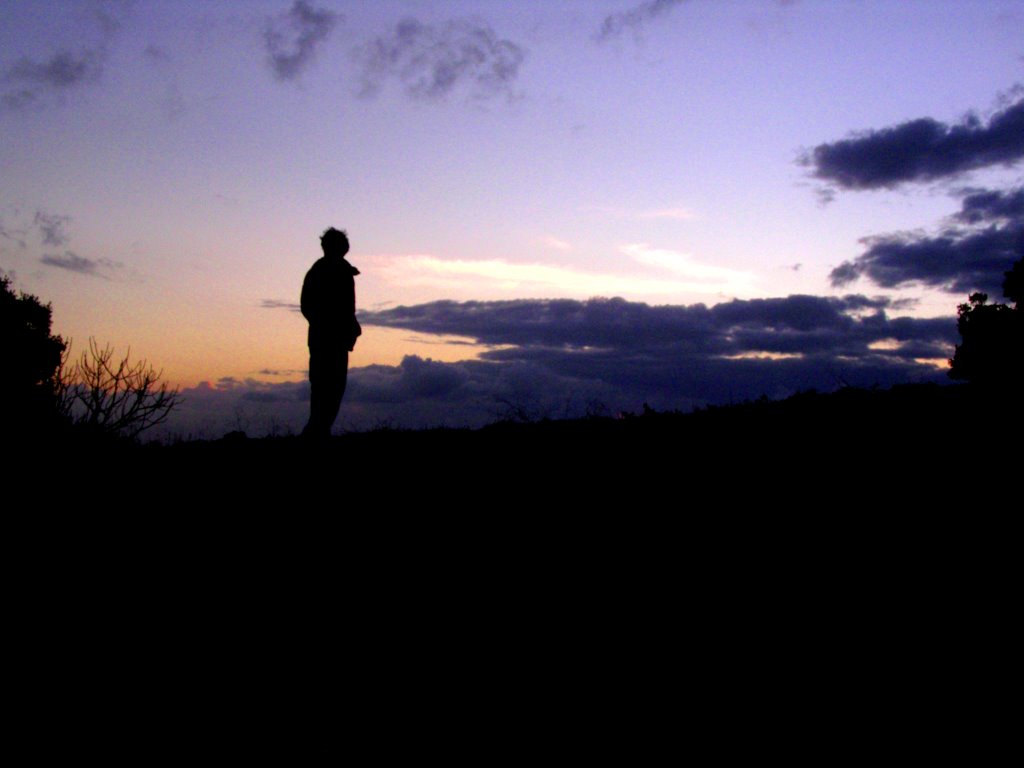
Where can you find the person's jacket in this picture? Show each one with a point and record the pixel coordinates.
(329, 303)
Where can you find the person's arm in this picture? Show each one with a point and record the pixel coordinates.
(306, 301)
(356, 329)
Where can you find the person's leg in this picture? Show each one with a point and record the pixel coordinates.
(317, 393)
(336, 391)
(328, 376)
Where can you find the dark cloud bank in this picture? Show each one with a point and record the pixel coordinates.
(979, 244)
(679, 356)
(921, 150)
(973, 253)
(567, 358)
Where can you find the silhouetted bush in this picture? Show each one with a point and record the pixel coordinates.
(113, 397)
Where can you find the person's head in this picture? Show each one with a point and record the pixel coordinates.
(334, 241)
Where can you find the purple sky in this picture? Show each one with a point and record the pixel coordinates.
(556, 206)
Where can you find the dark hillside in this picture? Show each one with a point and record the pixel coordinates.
(911, 439)
(267, 597)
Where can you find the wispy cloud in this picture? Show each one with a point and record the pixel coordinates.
(680, 214)
(102, 268)
(557, 243)
(52, 228)
(466, 277)
(16, 236)
(433, 61)
(676, 213)
(62, 70)
(156, 54)
(634, 19)
(32, 81)
(292, 38)
(681, 265)
(111, 14)
(279, 304)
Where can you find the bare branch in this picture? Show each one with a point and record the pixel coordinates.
(111, 396)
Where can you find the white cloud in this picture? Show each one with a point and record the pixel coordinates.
(676, 213)
(490, 277)
(558, 244)
(679, 214)
(705, 278)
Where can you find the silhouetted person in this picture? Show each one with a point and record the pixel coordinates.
(329, 304)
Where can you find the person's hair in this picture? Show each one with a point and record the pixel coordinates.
(334, 240)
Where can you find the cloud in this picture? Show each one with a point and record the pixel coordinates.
(102, 268)
(110, 14)
(172, 101)
(558, 244)
(495, 275)
(211, 410)
(52, 228)
(979, 243)
(973, 254)
(565, 358)
(416, 393)
(32, 80)
(279, 304)
(798, 324)
(292, 38)
(714, 279)
(921, 150)
(62, 70)
(992, 205)
(156, 54)
(433, 61)
(954, 261)
(679, 214)
(16, 236)
(616, 23)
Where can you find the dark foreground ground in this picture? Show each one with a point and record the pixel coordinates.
(809, 450)
(811, 576)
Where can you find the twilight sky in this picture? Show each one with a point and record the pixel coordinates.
(556, 207)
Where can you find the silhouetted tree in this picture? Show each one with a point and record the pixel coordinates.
(31, 358)
(113, 397)
(992, 348)
(1013, 286)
